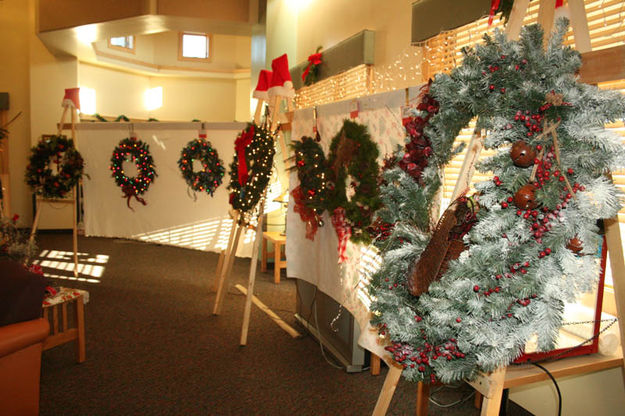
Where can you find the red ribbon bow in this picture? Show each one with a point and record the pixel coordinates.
(240, 144)
(343, 231)
(308, 215)
(129, 192)
(314, 59)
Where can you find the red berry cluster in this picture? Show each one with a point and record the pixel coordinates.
(494, 68)
(419, 148)
(380, 230)
(420, 357)
(533, 122)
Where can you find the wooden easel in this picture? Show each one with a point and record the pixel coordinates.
(491, 385)
(73, 199)
(274, 108)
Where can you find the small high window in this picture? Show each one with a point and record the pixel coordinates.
(194, 46)
(124, 43)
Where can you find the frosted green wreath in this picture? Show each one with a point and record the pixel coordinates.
(521, 264)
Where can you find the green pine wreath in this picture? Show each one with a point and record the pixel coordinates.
(58, 150)
(312, 170)
(137, 152)
(259, 161)
(353, 156)
(532, 247)
(210, 177)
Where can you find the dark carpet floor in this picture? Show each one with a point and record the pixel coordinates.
(154, 348)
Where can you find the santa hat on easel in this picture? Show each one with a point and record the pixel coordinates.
(264, 82)
(71, 98)
(281, 83)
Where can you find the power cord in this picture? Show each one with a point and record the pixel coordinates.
(555, 384)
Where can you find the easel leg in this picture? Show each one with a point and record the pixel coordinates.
(375, 365)
(513, 28)
(228, 261)
(80, 325)
(33, 231)
(492, 401)
(423, 398)
(615, 251)
(62, 122)
(252, 276)
(75, 231)
(259, 110)
(388, 389)
(224, 253)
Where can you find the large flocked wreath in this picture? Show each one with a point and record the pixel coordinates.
(250, 169)
(138, 152)
(531, 249)
(55, 153)
(209, 177)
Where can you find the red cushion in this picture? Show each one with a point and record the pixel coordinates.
(21, 293)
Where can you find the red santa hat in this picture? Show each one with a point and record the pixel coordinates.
(71, 98)
(281, 83)
(264, 81)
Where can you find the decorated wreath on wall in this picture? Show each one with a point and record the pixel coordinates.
(353, 158)
(55, 153)
(531, 247)
(250, 169)
(210, 176)
(137, 152)
(310, 196)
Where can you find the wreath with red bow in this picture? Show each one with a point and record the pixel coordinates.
(137, 152)
(311, 73)
(250, 169)
(60, 151)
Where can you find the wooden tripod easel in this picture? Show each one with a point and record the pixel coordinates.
(224, 269)
(72, 199)
(491, 385)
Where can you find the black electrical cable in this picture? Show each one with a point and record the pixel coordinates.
(555, 384)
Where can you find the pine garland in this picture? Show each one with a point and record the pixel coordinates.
(259, 159)
(353, 156)
(523, 259)
(58, 150)
(209, 178)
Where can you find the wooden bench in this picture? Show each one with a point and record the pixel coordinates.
(279, 262)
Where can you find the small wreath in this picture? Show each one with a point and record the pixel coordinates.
(138, 152)
(310, 196)
(60, 152)
(210, 177)
(353, 155)
(250, 169)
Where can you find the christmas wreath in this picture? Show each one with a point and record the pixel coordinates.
(207, 179)
(250, 169)
(352, 158)
(137, 152)
(529, 251)
(58, 152)
(310, 196)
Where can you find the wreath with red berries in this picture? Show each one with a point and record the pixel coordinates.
(209, 178)
(310, 196)
(137, 152)
(58, 151)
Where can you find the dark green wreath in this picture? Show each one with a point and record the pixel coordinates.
(138, 152)
(259, 159)
(58, 150)
(210, 177)
(353, 154)
(312, 167)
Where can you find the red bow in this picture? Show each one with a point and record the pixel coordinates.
(240, 144)
(308, 215)
(343, 231)
(494, 5)
(129, 192)
(314, 59)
